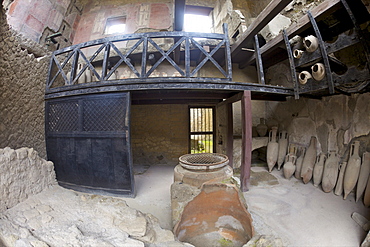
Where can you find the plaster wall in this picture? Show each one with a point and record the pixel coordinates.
(159, 133)
(22, 86)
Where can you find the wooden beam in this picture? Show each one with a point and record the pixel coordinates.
(230, 134)
(304, 23)
(271, 10)
(179, 15)
(246, 158)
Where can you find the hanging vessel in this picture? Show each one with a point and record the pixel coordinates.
(318, 71)
(339, 187)
(352, 170)
(318, 169)
(283, 145)
(298, 163)
(309, 161)
(303, 77)
(367, 194)
(262, 128)
(364, 175)
(272, 149)
(311, 43)
(330, 174)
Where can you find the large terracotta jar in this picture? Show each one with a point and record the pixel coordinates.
(309, 161)
(272, 149)
(339, 187)
(283, 145)
(298, 163)
(318, 169)
(262, 128)
(330, 174)
(364, 175)
(352, 170)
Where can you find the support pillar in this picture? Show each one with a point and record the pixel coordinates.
(230, 134)
(246, 158)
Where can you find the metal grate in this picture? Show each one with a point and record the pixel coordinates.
(63, 116)
(203, 161)
(104, 115)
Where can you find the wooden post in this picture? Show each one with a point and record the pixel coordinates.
(230, 133)
(245, 167)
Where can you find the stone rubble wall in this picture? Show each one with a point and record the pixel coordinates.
(22, 84)
(23, 173)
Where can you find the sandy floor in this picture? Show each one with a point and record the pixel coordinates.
(300, 214)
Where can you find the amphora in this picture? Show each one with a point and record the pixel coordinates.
(272, 149)
(352, 170)
(318, 169)
(298, 163)
(283, 145)
(309, 161)
(364, 175)
(339, 187)
(330, 174)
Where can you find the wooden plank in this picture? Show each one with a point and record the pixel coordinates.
(271, 10)
(246, 158)
(304, 23)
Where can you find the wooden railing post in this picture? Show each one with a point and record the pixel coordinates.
(246, 141)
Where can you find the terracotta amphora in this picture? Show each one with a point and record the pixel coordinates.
(364, 175)
(352, 170)
(262, 128)
(330, 173)
(339, 187)
(272, 149)
(283, 145)
(367, 194)
(318, 169)
(290, 159)
(298, 163)
(309, 161)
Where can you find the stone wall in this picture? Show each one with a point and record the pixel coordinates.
(22, 84)
(336, 121)
(23, 173)
(159, 133)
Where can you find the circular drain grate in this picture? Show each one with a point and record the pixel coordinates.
(203, 161)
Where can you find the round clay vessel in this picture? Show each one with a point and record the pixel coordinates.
(364, 175)
(283, 146)
(309, 161)
(352, 170)
(339, 187)
(297, 53)
(311, 43)
(298, 163)
(318, 169)
(262, 128)
(272, 149)
(330, 174)
(303, 77)
(318, 71)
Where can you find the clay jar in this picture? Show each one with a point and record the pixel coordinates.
(290, 159)
(311, 43)
(330, 174)
(261, 128)
(303, 77)
(298, 163)
(352, 170)
(318, 169)
(283, 145)
(309, 161)
(318, 71)
(364, 175)
(339, 187)
(272, 149)
(297, 53)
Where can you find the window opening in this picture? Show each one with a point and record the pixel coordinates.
(115, 25)
(197, 19)
(201, 129)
